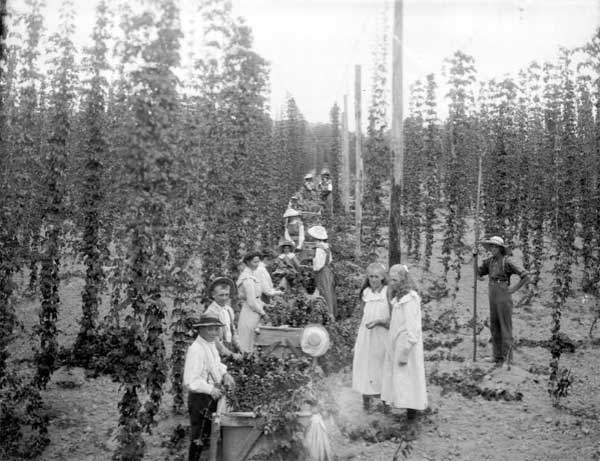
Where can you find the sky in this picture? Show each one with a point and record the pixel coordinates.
(314, 45)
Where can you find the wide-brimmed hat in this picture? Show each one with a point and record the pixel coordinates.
(314, 340)
(495, 240)
(325, 172)
(318, 232)
(221, 281)
(290, 212)
(308, 176)
(208, 320)
(284, 243)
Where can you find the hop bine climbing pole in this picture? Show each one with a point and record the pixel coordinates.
(475, 260)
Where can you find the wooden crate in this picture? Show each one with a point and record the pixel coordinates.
(241, 436)
(275, 335)
(279, 341)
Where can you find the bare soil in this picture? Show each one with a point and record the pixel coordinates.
(84, 410)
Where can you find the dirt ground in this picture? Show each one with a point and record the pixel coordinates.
(84, 410)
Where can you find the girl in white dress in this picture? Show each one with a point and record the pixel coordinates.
(403, 383)
(369, 351)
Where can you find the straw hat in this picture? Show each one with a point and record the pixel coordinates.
(308, 176)
(208, 320)
(318, 232)
(290, 212)
(314, 340)
(221, 281)
(325, 172)
(284, 242)
(495, 240)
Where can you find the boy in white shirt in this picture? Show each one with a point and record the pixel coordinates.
(220, 291)
(204, 377)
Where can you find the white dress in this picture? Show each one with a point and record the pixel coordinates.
(369, 351)
(249, 291)
(404, 386)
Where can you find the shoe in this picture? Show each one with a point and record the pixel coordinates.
(366, 403)
(386, 409)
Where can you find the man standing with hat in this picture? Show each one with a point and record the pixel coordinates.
(203, 376)
(499, 267)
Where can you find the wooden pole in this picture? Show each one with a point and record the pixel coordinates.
(359, 174)
(345, 181)
(476, 262)
(394, 253)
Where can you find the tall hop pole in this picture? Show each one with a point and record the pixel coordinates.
(394, 252)
(475, 261)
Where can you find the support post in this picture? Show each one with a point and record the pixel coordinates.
(476, 262)
(345, 180)
(359, 173)
(394, 253)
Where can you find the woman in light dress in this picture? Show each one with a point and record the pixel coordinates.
(250, 291)
(403, 384)
(369, 351)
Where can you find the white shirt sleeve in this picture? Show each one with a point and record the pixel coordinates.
(319, 259)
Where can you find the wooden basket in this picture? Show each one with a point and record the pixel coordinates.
(242, 436)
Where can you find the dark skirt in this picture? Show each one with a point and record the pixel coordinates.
(325, 281)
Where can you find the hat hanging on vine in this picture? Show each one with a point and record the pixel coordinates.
(314, 340)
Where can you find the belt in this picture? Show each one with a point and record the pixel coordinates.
(498, 281)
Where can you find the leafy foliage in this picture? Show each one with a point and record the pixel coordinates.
(296, 308)
(54, 190)
(23, 419)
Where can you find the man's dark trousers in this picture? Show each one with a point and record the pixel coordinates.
(501, 308)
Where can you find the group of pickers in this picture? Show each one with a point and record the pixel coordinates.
(205, 376)
(388, 358)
